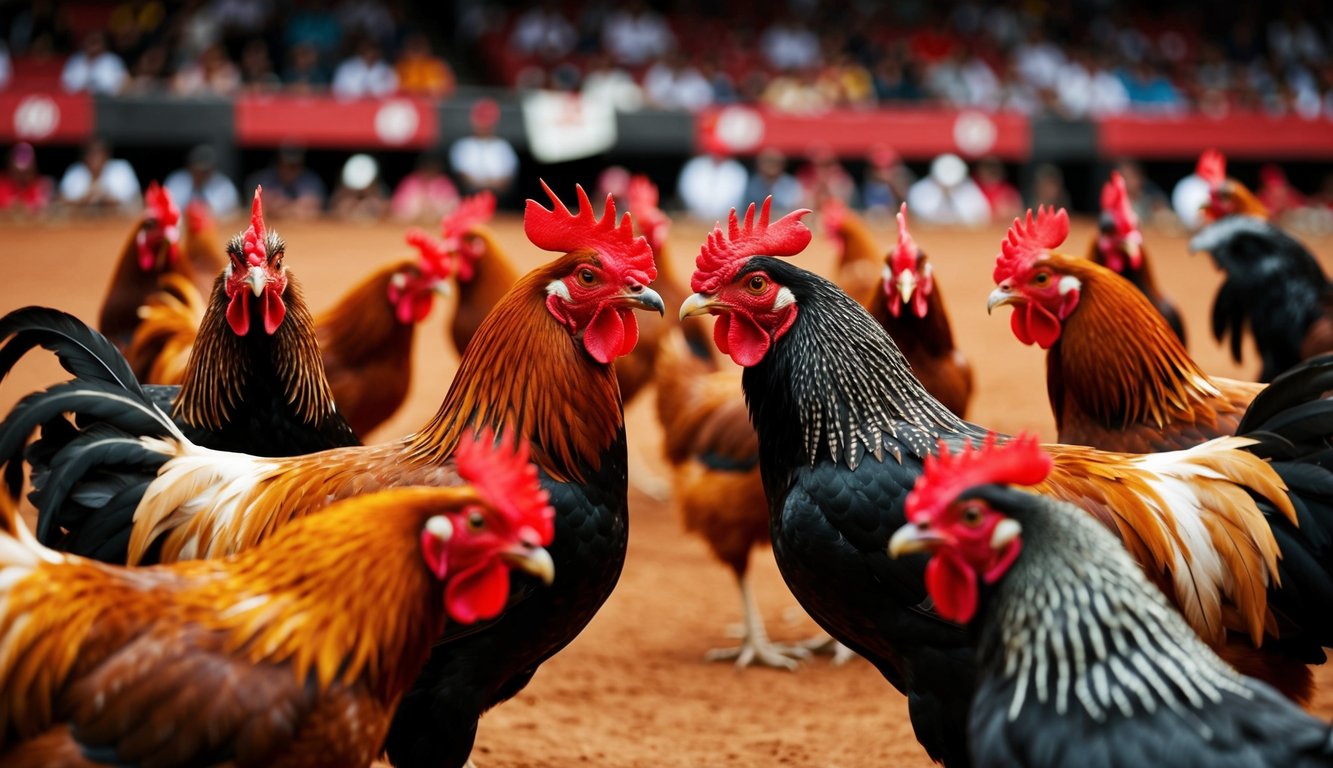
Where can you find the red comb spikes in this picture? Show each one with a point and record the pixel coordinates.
(1212, 167)
(904, 256)
(434, 252)
(1020, 461)
(560, 230)
(256, 237)
(159, 205)
(1028, 241)
(1115, 202)
(500, 471)
(723, 253)
(472, 211)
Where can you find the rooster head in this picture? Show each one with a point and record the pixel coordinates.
(413, 287)
(949, 516)
(1119, 241)
(472, 550)
(653, 223)
(457, 230)
(909, 279)
(603, 278)
(255, 278)
(157, 243)
(753, 310)
(1025, 277)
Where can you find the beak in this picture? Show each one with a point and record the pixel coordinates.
(698, 304)
(257, 279)
(906, 285)
(1001, 296)
(643, 297)
(532, 560)
(443, 288)
(912, 538)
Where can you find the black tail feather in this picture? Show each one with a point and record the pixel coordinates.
(85, 353)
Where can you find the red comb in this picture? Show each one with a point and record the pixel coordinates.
(904, 256)
(500, 471)
(434, 252)
(159, 205)
(560, 230)
(1026, 241)
(1212, 167)
(470, 212)
(256, 237)
(1020, 461)
(642, 198)
(1115, 201)
(723, 252)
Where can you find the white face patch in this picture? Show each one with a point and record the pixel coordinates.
(784, 299)
(1006, 531)
(1068, 283)
(558, 288)
(440, 527)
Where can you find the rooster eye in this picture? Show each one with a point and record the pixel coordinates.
(756, 284)
(475, 521)
(586, 277)
(1042, 278)
(971, 515)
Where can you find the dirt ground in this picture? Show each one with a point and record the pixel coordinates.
(633, 689)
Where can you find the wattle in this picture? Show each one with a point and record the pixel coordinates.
(953, 587)
(1033, 324)
(478, 594)
(612, 333)
(739, 337)
(238, 314)
(274, 311)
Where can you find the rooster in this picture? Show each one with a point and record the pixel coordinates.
(859, 261)
(1226, 196)
(539, 367)
(911, 310)
(1082, 662)
(485, 273)
(1119, 247)
(153, 249)
(1243, 547)
(295, 652)
(1117, 377)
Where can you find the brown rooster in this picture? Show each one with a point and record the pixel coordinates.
(911, 309)
(153, 249)
(1118, 378)
(293, 653)
(1119, 247)
(540, 367)
(485, 272)
(859, 261)
(1226, 196)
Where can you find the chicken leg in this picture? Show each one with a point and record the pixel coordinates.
(755, 647)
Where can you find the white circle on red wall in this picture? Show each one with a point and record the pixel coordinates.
(396, 122)
(739, 128)
(36, 117)
(974, 133)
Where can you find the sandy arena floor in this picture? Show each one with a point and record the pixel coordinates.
(633, 689)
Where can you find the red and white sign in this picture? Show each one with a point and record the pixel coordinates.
(323, 121)
(45, 117)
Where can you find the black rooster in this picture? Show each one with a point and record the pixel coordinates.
(1083, 663)
(1272, 283)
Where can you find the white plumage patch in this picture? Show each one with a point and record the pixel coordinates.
(1068, 283)
(784, 298)
(558, 288)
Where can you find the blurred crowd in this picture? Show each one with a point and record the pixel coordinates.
(350, 48)
(1076, 58)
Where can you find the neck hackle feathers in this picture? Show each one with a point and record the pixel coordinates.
(613, 239)
(500, 469)
(725, 252)
(1027, 241)
(255, 243)
(1212, 168)
(1020, 461)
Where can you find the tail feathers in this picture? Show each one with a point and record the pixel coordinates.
(83, 352)
(1306, 383)
(18, 549)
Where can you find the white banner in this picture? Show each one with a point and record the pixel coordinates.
(564, 126)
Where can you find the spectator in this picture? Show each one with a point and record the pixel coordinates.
(1002, 197)
(24, 193)
(421, 71)
(6, 67)
(313, 23)
(1150, 91)
(607, 81)
(369, 18)
(100, 184)
(895, 81)
(635, 34)
(41, 29)
(770, 177)
(304, 73)
(213, 74)
(240, 20)
(425, 194)
(197, 29)
(789, 45)
(150, 71)
(1048, 187)
(200, 180)
(823, 177)
(94, 69)
(257, 68)
(291, 190)
(361, 195)
(711, 183)
(365, 74)
(948, 196)
(674, 83)
(886, 182)
(543, 31)
(484, 160)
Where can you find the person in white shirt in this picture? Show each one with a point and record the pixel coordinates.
(484, 161)
(100, 183)
(636, 34)
(711, 184)
(948, 195)
(365, 74)
(200, 180)
(94, 69)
